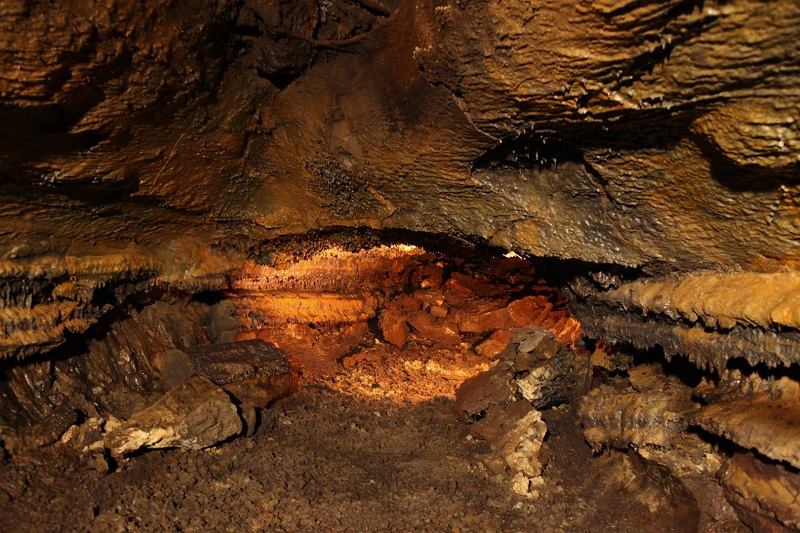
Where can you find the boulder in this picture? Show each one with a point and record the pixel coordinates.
(194, 415)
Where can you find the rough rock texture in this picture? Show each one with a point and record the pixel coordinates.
(254, 372)
(731, 442)
(192, 416)
(515, 432)
(710, 317)
(479, 393)
(412, 293)
(237, 361)
(116, 369)
(154, 144)
(651, 411)
(650, 146)
(762, 493)
(346, 455)
(695, 463)
(503, 403)
(135, 359)
(759, 422)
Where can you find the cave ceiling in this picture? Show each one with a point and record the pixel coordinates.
(152, 143)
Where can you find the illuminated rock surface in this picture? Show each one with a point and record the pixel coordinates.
(315, 173)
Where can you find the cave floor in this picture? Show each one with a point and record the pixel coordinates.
(368, 443)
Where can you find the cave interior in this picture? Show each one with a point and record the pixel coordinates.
(400, 265)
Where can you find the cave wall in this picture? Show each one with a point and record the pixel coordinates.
(654, 144)
(649, 150)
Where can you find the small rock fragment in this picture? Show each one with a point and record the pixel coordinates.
(429, 275)
(470, 321)
(480, 392)
(394, 327)
(253, 371)
(516, 433)
(86, 444)
(556, 380)
(535, 343)
(194, 415)
(439, 311)
(521, 484)
(495, 344)
(426, 326)
(523, 311)
(529, 345)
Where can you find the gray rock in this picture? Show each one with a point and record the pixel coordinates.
(561, 379)
(529, 345)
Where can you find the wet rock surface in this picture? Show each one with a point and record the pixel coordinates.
(763, 493)
(652, 411)
(254, 372)
(728, 442)
(150, 152)
(709, 317)
(502, 403)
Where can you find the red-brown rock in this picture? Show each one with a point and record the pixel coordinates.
(495, 344)
(478, 393)
(764, 495)
(427, 326)
(394, 327)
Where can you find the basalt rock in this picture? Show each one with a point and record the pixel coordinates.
(515, 432)
(47, 431)
(568, 130)
(648, 149)
(531, 367)
(709, 317)
(237, 361)
(494, 387)
(504, 402)
(757, 422)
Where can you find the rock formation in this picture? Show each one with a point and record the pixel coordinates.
(647, 153)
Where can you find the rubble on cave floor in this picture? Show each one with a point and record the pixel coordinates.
(373, 445)
(391, 388)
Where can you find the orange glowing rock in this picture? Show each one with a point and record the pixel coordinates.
(495, 344)
(393, 325)
(280, 307)
(427, 326)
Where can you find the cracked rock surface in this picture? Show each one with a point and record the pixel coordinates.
(171, 175)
